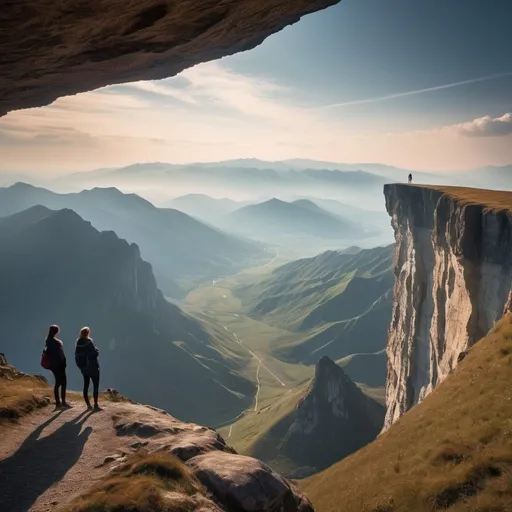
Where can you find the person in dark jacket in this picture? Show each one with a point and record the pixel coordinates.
(86, 357)
(55, 351)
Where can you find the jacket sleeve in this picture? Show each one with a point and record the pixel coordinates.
(93, 352)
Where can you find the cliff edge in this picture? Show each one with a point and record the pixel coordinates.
(453, 281)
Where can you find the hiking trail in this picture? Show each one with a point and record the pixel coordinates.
(50, 457)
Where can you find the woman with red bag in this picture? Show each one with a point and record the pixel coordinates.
(57, 359)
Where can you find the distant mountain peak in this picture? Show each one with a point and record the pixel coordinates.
(103, 190)
(21, 185)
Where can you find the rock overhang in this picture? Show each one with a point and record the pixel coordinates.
(53, 49)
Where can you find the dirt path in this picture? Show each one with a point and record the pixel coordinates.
(52, 456)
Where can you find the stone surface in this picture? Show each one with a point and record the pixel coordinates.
(236, 482)
(52, 49)
(162, 432)
(244, 483)
(453, 269)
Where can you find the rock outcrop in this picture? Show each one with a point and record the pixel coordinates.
(235, 482)
(60, 48)
(453, 269)
(9, 372)
(333, 419)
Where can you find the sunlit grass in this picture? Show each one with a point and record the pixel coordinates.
(21, 395)
(145, 483)
(495, 200)
(453, 451)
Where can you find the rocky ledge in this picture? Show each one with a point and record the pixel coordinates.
(54, 49)
(234, 482)
(453, 281)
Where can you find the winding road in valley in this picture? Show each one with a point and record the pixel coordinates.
(261, 364)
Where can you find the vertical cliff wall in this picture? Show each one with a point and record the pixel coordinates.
(453, 278)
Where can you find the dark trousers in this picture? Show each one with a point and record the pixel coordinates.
(61, 382)
(95, 377)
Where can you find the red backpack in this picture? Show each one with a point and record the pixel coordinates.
(46, 362)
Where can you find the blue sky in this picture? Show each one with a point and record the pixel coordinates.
(364, 81)
(371, 48)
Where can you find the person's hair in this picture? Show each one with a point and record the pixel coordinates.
(84, 332)
(53, 331)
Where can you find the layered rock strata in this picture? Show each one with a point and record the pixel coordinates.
(453, 279)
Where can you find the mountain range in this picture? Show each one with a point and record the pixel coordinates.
(338, 304)
(57, 268)
(163, 179)
(181, 249)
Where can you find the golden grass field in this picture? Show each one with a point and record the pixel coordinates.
(493, 200)
(451, 452)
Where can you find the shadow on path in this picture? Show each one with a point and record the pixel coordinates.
(40, 463)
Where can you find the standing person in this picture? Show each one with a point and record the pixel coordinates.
(409, 179)
(86, 358)
(55, 351)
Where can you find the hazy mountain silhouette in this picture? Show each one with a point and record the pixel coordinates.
(203, 207)
(56, 268)
(276, 218)
(181, 249)
(253, 177)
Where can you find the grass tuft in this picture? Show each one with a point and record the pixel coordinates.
(157, 482)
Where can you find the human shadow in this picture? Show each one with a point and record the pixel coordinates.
(41, 462)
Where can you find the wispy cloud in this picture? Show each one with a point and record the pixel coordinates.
(211, 113)
(416, 92)
(159, 88)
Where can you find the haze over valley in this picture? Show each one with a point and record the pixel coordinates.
(256, 256)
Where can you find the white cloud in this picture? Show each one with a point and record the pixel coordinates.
(487, 126)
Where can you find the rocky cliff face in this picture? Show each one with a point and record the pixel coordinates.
(60, 48)
(332, 420)
(453, 275)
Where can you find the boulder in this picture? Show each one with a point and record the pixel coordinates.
(246, 484)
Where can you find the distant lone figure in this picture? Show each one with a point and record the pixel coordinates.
(409, 179)
(86, 358)
(55, 351)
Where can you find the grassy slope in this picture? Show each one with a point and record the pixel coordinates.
(290, 296)
(334, 304)
(453, 451)
(20, 395)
